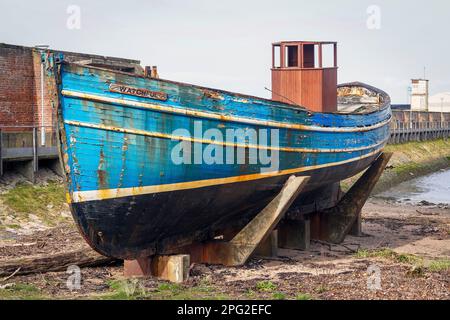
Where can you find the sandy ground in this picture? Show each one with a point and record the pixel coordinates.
(31, 223)
(324, 272)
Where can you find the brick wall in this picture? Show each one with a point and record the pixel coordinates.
(17, 89)
(20, 84)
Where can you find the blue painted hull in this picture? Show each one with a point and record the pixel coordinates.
(130, 198)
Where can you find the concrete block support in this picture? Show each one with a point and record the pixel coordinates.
(294, 234)
(269, 246)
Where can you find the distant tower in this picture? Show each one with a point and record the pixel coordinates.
(419, 95)
(305, 73)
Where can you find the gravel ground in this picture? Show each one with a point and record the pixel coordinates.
(414, 235)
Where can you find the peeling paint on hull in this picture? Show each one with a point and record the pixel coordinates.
(128, 197)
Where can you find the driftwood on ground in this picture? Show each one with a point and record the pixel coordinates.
(56, 262)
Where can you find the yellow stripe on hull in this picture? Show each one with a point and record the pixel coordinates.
(208, 141)
(81, 196)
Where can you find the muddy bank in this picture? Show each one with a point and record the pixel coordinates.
(410, 160)
(432, 189)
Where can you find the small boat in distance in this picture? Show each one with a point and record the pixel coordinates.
(151, 164)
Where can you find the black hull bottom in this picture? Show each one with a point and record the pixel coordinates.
(143, 225)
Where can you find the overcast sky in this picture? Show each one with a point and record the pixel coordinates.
(226, 44)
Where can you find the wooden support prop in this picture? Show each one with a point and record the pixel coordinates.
(174, 268)
(237, 251)
(332, 225)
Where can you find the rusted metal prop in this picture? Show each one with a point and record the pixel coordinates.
(332, 225)
(237, 251)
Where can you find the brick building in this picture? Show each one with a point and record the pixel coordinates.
(24, 111)
(20, 83)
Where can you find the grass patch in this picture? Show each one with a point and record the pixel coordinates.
(379, 253)
(417, 262)
(173, 291)
(26, 198)
(125, 290)
(390, 254)
(407, 168)
(13, 226)
(321, 289)
(135, 290)
(303, 296)
(21, 291)
(409, 259)
(279, 296)
(250, 293)
(172, 287)
(266, 286)
(439, 265)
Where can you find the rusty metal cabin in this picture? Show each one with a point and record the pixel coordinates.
(305, 73)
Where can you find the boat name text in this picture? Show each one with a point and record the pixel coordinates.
(137, 92)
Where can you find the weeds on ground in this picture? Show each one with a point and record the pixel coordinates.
(125, 290)
(279, 296)
(266, 286)
(204, 290)
(439, 265)
(21, 291)
(418, 263)
(303, 296)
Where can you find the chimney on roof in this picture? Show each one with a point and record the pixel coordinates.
(151, 72)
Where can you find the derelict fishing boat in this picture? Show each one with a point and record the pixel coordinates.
(148, 162)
